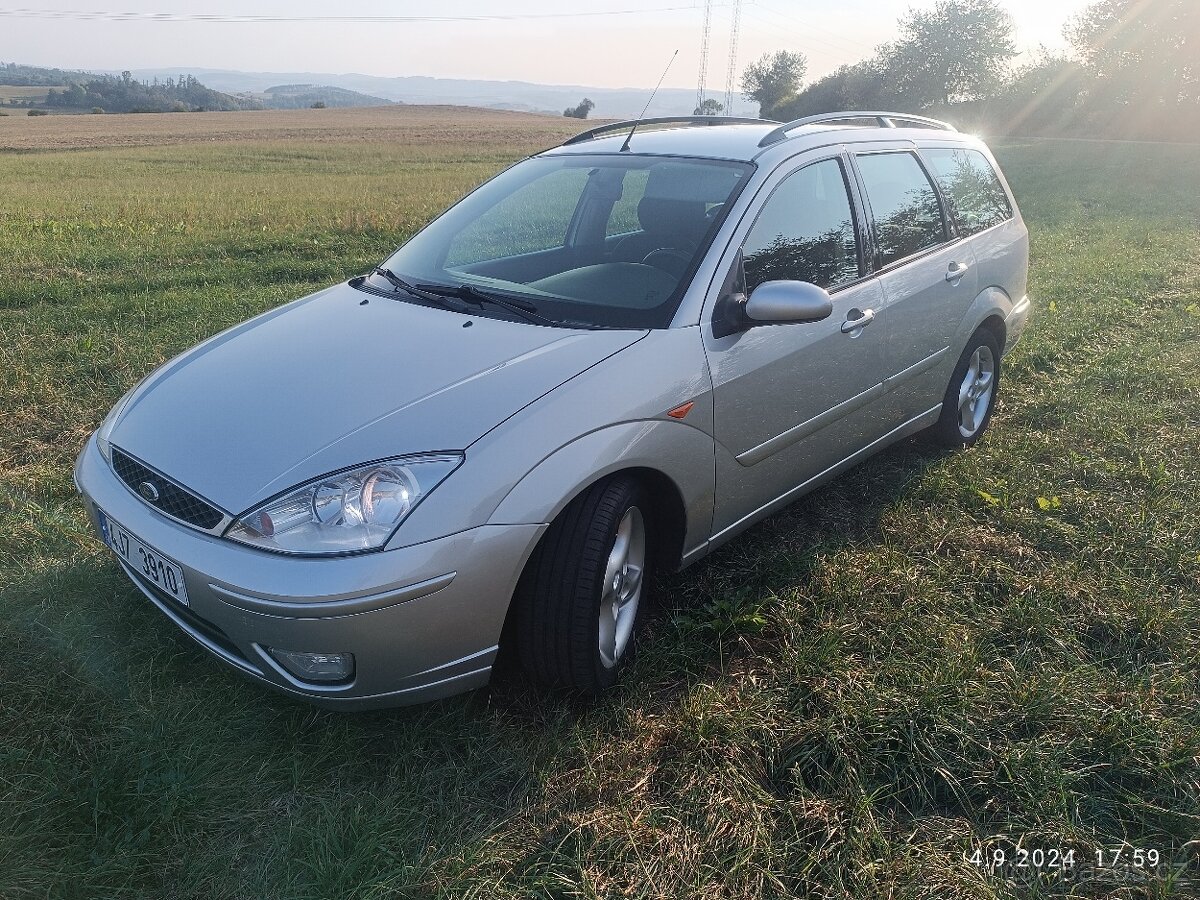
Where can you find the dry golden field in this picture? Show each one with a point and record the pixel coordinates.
(412, 125)
(24, 92)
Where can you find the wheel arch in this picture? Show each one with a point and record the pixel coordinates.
(988, 310)
(668, 515)
(665, 533)
(674, 461)
(995, 324)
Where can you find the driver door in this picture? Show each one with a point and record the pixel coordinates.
(793, 400)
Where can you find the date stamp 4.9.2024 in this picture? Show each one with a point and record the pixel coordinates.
(1124, 864)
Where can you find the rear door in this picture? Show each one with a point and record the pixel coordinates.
(791, 400)
(984, 214)
(927, 273)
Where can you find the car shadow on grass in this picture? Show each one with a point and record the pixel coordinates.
(717, 602)
(698, 614)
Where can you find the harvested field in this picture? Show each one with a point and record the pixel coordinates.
(24, 92)
(412, 125)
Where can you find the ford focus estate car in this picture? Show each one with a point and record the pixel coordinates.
(610, 358)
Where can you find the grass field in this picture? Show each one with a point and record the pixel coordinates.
(934, 654)
(24, 92)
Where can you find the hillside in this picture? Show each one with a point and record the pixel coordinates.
(290, 90)
(515, 95)
(17, 74)
(73, 91)
(302, 96)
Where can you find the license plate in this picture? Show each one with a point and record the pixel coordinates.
(155, 568)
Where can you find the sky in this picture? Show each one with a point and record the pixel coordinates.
(615, 43)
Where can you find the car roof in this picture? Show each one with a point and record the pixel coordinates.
(742, 142)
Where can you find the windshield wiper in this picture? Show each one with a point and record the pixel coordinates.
(420, 293)
(471, 294)
(443, 294)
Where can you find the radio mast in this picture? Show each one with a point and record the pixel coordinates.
(705, 34)
(731, 73)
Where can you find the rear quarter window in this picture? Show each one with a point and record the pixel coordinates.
(970, 184)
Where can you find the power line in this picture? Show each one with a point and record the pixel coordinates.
(814, 32)
(813, 47)
(94, 15)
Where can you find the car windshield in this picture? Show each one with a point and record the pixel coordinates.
(605, 241)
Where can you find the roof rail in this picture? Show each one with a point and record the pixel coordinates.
(666, 120)
(884, 120)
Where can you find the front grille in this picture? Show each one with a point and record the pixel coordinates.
(170, 498)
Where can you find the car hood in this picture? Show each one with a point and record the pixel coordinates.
(337, 379)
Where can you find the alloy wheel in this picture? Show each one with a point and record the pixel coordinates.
(976, 392)
(622, 587)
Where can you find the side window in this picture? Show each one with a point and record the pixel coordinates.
(544, 207)
(624, 217)
(908, 216)
(970, 184)
(805, 231)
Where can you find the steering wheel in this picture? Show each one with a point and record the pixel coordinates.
(676, 261)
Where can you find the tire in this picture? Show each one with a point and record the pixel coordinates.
(573, 617)
(971, 395)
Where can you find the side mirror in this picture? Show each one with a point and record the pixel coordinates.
(782, 302)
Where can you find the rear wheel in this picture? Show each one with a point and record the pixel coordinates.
(971, 395)
(581, 596)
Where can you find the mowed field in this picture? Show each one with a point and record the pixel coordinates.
(998, 649)
(24, 92)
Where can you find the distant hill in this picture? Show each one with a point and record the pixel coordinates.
(302, 96)
(295, 89)
(16, 74)
(113, 94)
(516, 95)
(86, 92)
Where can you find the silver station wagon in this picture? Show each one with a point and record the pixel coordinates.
(611, 358)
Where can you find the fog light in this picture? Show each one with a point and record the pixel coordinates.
(306, 666)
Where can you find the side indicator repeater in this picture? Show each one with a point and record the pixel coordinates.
(680, 411)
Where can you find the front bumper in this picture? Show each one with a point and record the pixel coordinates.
(422, 621)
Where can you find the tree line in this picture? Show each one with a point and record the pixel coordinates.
(124, 93)
(1132, 70)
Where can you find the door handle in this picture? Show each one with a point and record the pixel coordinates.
(957, 271)
(866, 317)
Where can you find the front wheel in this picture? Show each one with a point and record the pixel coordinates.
(971, 395)
(581, 596)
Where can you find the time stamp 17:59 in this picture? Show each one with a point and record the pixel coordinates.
(1051, 860)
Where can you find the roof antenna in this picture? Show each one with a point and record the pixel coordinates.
(628, 137)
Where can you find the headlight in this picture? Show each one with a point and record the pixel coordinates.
(356, 509)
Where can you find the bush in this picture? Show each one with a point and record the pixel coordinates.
(37, 112)
(320, 104)
(581, 111)
(98, 110)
